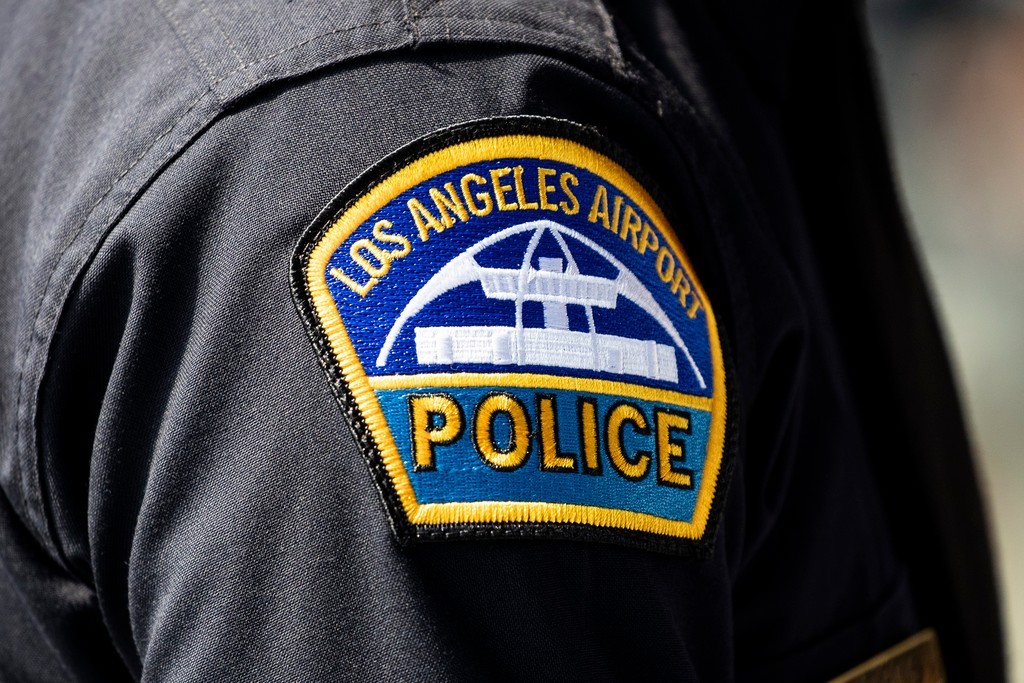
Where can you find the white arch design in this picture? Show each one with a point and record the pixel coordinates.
(554, 289)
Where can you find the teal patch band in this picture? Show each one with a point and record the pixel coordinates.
(519, 341)
(600, 484)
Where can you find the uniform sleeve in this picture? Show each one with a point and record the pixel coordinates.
(232, 528)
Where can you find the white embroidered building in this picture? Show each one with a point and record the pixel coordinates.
(557, 284)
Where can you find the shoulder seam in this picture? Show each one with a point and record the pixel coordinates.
(184, 39)
(232, 74)
(43, 503)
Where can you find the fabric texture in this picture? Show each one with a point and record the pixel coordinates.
(183, 499)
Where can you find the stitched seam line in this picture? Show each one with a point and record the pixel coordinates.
(282, 51)
(445, 18)
(411, 27)
(220, 29)
(411, 16)
(561, 37)
(551, 34)
(185, 39)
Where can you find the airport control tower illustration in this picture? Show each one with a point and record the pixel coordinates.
(556, 284)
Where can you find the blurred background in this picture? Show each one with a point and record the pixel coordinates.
(952, 77)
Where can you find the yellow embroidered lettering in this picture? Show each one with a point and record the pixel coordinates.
(599, 207)
(405, 246)
(614, 227)
(695, 306)
(383, 257)
(543, 188)
(681, 286)
(434, 420)
(450, 203)
(648, 239)
(520, 191)
(483, 197)
(551, 457)
(500, 405)
(665, 264)
(362, 289)
(378, 270)
(671, 449)
(631, 225)
(635, 467)
(587, 416)
(425, 221)
(500, 190)
(571, 207)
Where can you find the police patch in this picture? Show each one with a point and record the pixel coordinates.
(519, 341)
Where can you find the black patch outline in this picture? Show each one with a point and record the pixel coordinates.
(406, 533)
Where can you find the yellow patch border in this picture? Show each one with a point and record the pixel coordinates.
(361, 387)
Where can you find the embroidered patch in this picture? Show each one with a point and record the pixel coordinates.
(519, 341)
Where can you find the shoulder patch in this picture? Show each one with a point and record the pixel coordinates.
(519, 341)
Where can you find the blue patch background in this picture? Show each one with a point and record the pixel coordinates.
(462, 476)
(368, 320)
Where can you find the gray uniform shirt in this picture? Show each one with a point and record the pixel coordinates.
(183, 498)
